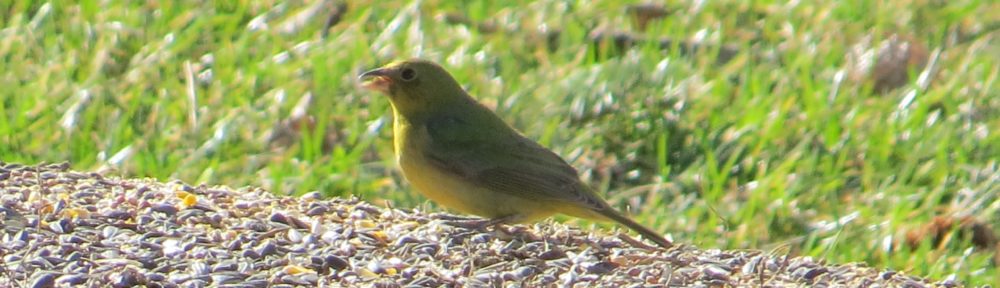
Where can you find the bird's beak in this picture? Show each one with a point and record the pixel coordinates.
(380, 79)
(374, 73)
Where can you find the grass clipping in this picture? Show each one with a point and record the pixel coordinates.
(70, 228)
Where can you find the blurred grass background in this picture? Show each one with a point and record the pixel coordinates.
(855, 131)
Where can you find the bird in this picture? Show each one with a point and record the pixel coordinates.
(461, 155)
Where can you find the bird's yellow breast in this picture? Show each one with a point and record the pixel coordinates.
(449, 189)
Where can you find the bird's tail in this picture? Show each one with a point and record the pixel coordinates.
(610, 213)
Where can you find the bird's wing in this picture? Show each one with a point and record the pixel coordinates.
(506, 162)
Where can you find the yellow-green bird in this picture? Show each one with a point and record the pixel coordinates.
(461, 155)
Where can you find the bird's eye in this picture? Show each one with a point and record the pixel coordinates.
(408, 74)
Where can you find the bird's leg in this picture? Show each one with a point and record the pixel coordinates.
(470, 223)
(448, 218)
(496, 223)
(480, 223)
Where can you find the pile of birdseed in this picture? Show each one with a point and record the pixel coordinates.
(64, 228)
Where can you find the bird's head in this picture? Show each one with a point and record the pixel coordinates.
(415, 86)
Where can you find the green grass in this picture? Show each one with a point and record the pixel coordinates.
(775, 149)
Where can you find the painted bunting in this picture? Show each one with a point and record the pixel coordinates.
(461, 155)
